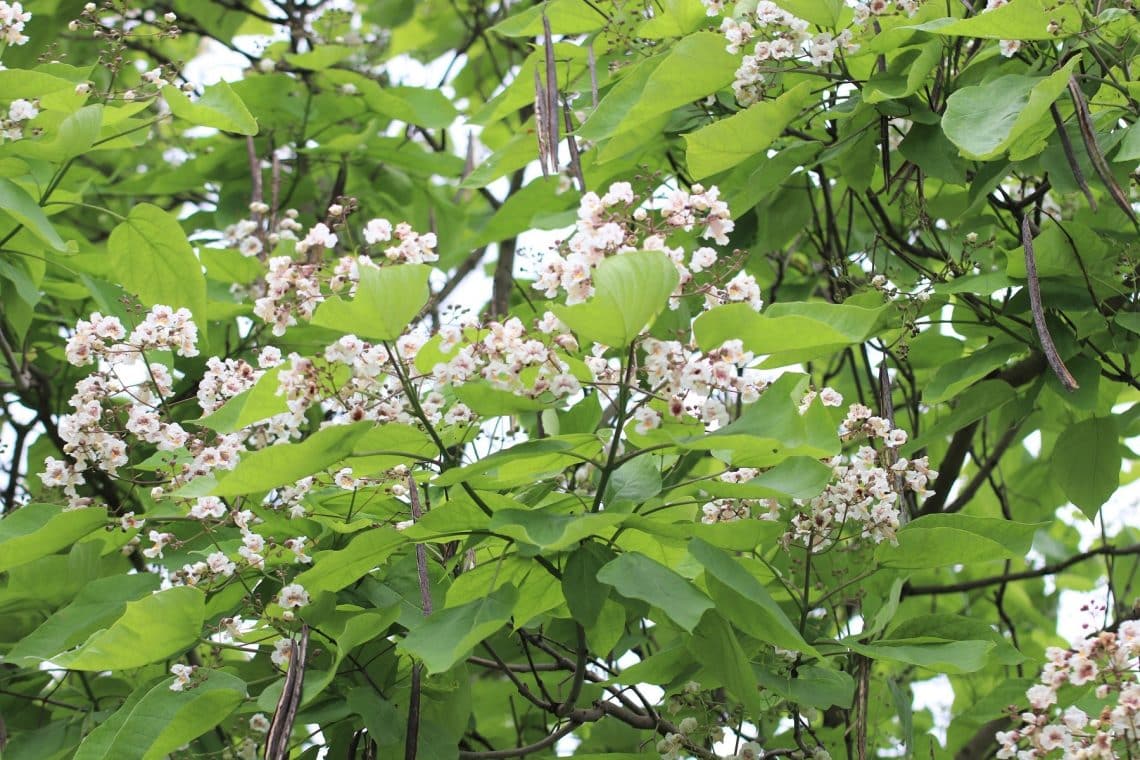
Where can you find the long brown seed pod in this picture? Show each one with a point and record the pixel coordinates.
(1047, 345)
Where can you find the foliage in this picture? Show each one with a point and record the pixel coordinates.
(789, 421)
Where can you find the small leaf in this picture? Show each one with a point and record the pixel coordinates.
(636, 576)
(219, 107)
(585, 596)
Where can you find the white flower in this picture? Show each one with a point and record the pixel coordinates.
(1009, 48)
(22, 110)
(377, 231)
(182, 675)
(259, 723)
(293, 596)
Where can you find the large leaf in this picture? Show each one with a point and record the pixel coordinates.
(755, 612)
(16, 202)
(630, 290)
(155, 721)
(552, 531)
(37, 530)
(728, 142)
(941, 540)
(985, 120)
(219, 107)
(150, 629)
(691, 69)
(1086, 463)
(636, 576)
(788, 332)
(334, 569)
(99, 604)
(289, 462)
(446, 636)
(1016, 20)
(150, 256)
(386, 301)
(935, 654)
(715, 646)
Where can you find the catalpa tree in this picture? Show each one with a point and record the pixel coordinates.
(591, 378)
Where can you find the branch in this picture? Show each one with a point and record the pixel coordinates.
(1053, 569)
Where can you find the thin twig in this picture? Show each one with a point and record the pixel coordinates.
(1047, 345)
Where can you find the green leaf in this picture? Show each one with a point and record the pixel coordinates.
(150, 629)
(1016, 20)
(813, 685)
(219, 107)
(289, 462)
(99, 604)
(728, 142)
(638, 480)
(772, 429)
(254, 405)
(150, 256)
(551, 531)
(76, 134)
(958, 628)
(953, 539)
(789, 332)
(36, 530)
(155, 721)
(1086, 463)
(985, 120)
(585, 596)
(1129, 148)
(16, 202)
(334, 569)
(754, 610)
(906, 73)
(694, 67)
(636, 576)
(630, 290)
(448, 635)
(715, 646)
(386, 301)
(566, 17)
(928, 652)
(953, 378)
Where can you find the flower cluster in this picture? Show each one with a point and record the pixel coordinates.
(779, 36)
(615, 223)
(1107, 662)
(12, 20)
(293, 289)
(865, 489)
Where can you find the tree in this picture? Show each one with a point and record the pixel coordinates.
(315, 447)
